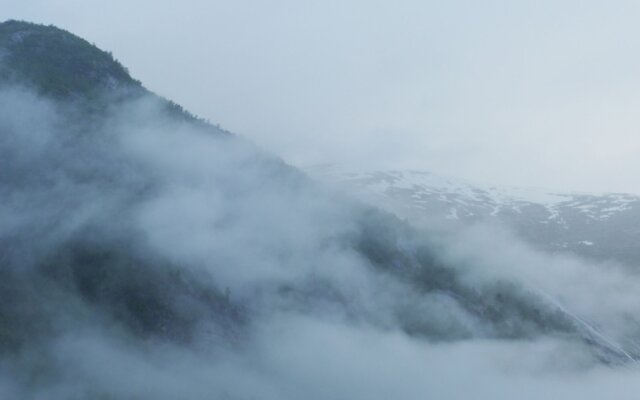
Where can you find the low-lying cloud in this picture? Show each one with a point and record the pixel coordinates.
(144, 257)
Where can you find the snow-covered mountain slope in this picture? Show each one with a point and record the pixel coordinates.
(602, 226)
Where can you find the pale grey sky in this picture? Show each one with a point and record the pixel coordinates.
(530, 93)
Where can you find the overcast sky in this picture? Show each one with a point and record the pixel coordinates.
(541, 93)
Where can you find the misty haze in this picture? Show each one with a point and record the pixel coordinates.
(234, 200)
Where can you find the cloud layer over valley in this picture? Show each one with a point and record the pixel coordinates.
(144, 256)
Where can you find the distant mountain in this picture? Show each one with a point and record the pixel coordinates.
(603, 226)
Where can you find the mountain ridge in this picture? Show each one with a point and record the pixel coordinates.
(60, 65)
(599, 225)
